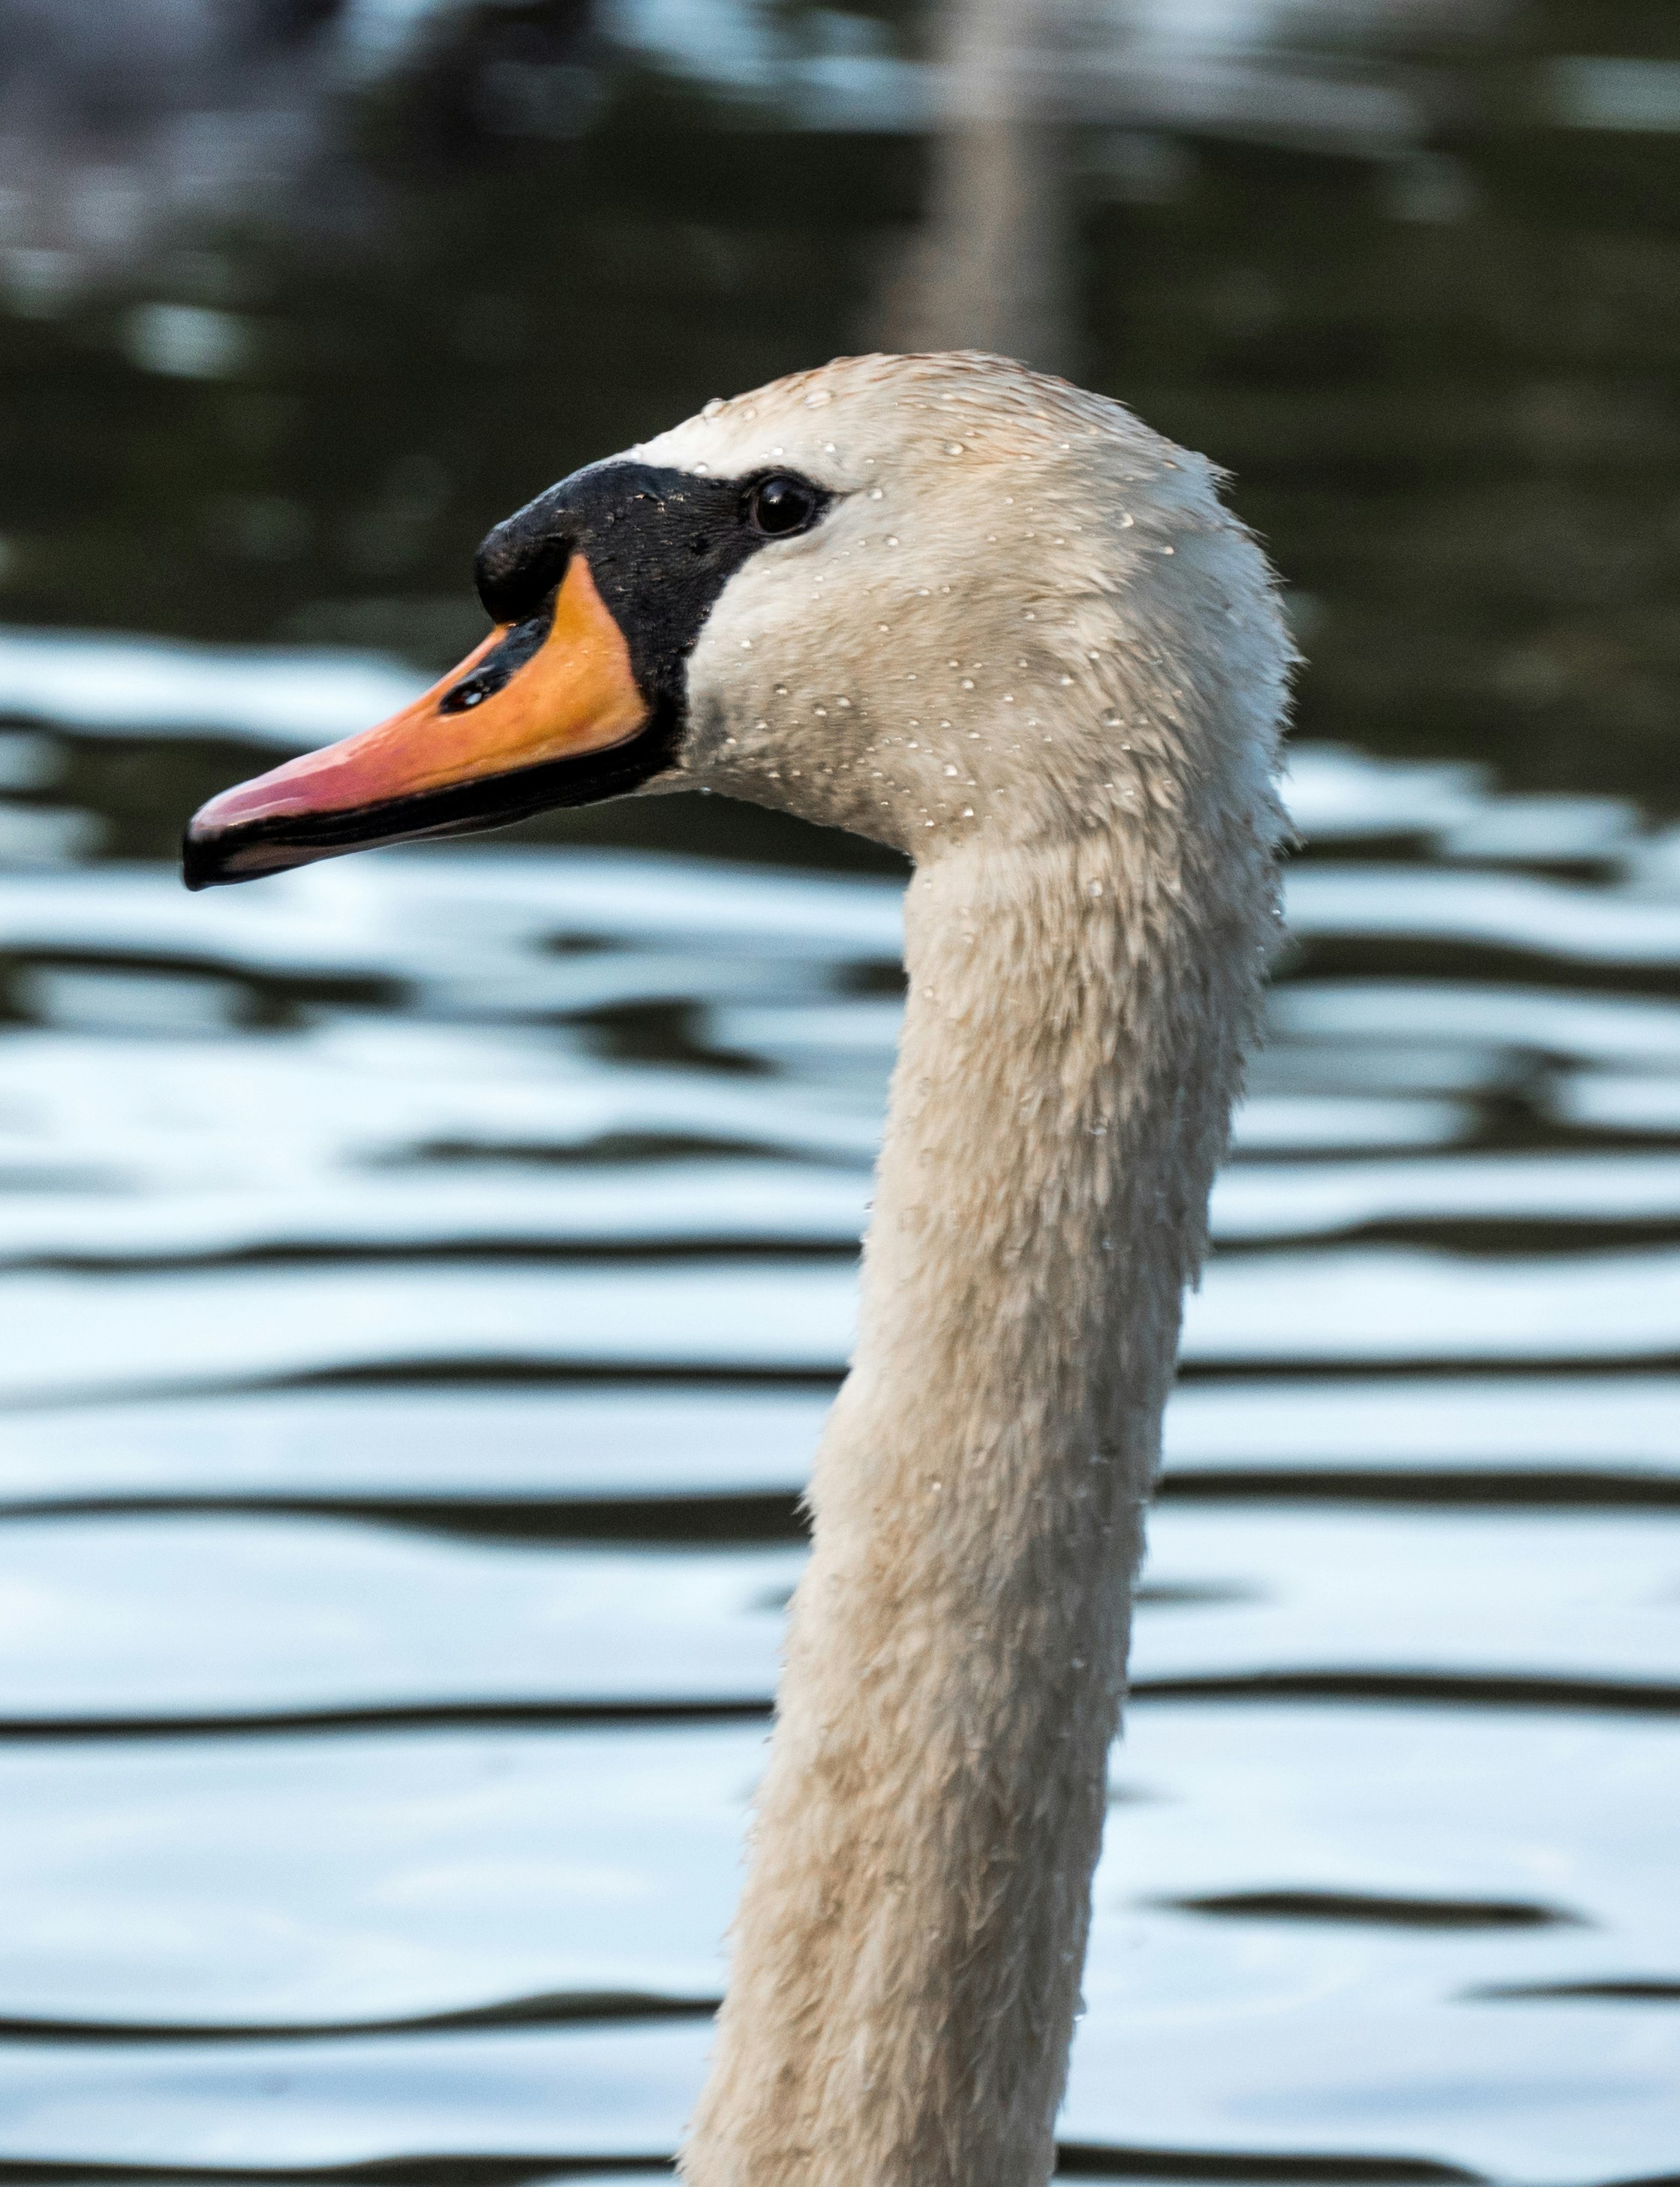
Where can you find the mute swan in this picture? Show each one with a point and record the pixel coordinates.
(995, 621)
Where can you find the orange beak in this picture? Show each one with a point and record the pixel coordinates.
(529, 720)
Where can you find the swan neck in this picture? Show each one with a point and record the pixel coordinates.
(909, 1944)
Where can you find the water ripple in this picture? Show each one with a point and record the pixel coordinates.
(427, 1276)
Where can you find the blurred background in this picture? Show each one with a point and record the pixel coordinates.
(422, 1278)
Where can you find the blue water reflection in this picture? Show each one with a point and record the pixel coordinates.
(426, 1278)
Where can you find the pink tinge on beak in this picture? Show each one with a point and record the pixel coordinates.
(342, 777)
(436, 767)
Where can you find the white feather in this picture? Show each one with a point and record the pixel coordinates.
(1029, 646)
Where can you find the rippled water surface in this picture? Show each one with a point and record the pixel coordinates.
(423, 1278)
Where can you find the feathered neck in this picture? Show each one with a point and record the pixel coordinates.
(908, 1948)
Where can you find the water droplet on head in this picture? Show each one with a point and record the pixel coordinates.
(892, 539)
(818, 397)
(843, 702)
(702, 469)
(874, 493)
(828, 447)
(953, 447)
(712, 408)
(781, 690)
(1126, 520)
(751, 410)
(1064, 679)
(968, 682)
(949, 769)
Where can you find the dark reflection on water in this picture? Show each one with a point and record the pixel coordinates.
(424, 1277)
(303, 299)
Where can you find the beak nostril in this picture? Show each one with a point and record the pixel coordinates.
(521, 644)
(472, 692)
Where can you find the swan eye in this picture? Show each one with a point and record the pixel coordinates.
(778, 506)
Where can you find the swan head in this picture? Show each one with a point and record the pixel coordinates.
(934, 600)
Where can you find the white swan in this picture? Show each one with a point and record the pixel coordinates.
(997, 623)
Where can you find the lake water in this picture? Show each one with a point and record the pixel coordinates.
(423, 1277)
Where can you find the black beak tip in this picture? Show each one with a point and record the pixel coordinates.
(205, 861)
(198, 865)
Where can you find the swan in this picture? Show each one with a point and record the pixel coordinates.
(995, 621)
